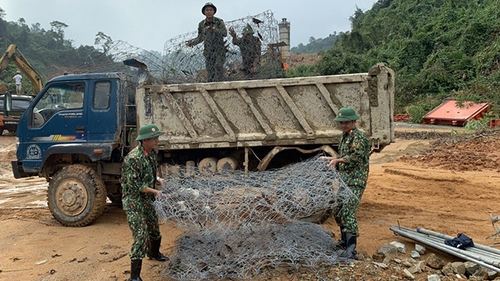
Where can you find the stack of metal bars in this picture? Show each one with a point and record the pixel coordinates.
(482, 255)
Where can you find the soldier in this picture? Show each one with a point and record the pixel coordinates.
(138, 187)
(250, 48)
(211, 31)
(352, 163)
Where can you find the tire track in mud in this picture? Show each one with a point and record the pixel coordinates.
(25, 193)
(419, 177)
(19, 194)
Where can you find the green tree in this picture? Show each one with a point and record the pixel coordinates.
(104, 40)
(437, 48)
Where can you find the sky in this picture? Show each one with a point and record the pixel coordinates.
(148, 24)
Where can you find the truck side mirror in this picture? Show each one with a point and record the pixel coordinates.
(7, 103)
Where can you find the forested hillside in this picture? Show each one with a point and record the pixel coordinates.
(48, 51)
(438, 48)
(316, 45)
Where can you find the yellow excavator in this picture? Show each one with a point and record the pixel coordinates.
(14, 55)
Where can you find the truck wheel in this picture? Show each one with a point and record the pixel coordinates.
(76, 196)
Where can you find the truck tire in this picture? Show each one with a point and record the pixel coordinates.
(76, 196)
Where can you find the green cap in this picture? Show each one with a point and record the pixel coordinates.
(247, 30)
(346, 114)
(208, 4)
(149, 131)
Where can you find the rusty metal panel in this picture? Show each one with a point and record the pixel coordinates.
(286, 111)
(450, 113)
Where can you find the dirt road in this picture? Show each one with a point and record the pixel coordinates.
(453, 190)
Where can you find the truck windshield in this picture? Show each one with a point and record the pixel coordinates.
(58, 98)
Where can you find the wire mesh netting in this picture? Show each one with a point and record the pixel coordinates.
(207, 61)
(240, 223)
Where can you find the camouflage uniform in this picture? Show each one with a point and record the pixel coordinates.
(214, 47)
(355, 150)
(138, 173)
(250, 48)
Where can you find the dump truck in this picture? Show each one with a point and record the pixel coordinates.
(79, 128)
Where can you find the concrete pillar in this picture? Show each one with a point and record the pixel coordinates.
(284, 30)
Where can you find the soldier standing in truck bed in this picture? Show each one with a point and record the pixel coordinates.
(138, 187)
(212, 31)
(250, 49)
(352, 162)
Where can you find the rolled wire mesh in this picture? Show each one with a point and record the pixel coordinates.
(240, 223)
(245, 253)
(183, 64)
(187, 64)
(111, 60)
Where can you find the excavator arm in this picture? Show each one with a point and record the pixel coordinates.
(13, 55)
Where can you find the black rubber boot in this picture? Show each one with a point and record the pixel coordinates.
(343, 240)
(154, 250)
(350, 253)
(135, 270)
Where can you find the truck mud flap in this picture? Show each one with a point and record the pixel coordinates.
(17, 169)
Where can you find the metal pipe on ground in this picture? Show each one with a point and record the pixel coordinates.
(479, 254)
(440, 235)
(483, 255)
(415, 236)
(439, 238)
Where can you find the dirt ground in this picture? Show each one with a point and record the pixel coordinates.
(451, 190)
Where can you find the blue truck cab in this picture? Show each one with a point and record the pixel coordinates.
(75, 134)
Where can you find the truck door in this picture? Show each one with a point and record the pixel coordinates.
(101, 113)
(58, 116)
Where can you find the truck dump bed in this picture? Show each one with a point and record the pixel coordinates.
(273, 112)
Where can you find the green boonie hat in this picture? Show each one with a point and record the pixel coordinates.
(247, 30)
(346, 114)
(149, 131)
(208, 4)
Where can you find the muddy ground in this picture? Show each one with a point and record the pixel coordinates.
(453, 188)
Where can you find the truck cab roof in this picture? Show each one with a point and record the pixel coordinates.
(90, 76)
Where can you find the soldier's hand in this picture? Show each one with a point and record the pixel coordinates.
(333, 161)
(162, 182)
(232, 32)
(160, 196)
